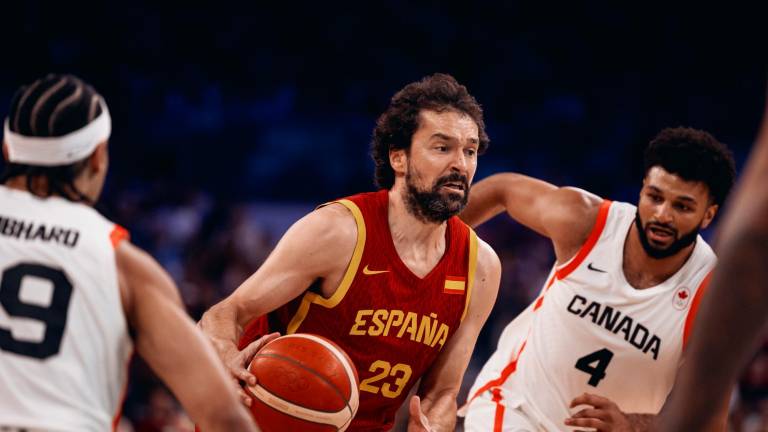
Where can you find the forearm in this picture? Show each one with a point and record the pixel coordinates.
(485, 200)
(180, 355)
(523, 198)
(733, 313)
(641, 422)
(440, 408)
(233, 418)
(738, 297)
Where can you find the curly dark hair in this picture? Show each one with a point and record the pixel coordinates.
(694, 155)
(49, 107)
(396, 126)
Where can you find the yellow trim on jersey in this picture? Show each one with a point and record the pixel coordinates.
(349, 275)
(472, 268)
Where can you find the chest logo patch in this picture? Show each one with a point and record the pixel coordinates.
(454, 285)
(368, 272)
(681, 298)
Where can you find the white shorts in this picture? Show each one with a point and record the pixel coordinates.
(487, 413)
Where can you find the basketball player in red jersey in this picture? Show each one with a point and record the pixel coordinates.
(733, 315)
(393, 277)
(71, 273)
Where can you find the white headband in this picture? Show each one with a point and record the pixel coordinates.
(60, 150)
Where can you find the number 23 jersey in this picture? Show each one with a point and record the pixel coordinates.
(591, 331)
(391, 323)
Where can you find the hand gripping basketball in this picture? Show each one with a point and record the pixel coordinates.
(236, 362)
(306, 383)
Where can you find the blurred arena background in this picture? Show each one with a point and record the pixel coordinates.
(233, 120)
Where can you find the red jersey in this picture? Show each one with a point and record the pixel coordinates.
(391, 323)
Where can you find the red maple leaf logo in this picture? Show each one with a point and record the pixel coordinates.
(683, 295)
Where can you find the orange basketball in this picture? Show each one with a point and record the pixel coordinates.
(305, 383)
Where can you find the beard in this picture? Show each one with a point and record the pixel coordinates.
(677, 245)
(435, 204)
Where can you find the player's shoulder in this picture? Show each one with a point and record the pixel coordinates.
(703, 252)
(56, 214)
(137, 269)
(570, 211)
(486, 254)
(488, 262)
(578, 199)
(51, 206)
(341, 217)
(95, 226)
(614, 214)
(134, 259)
(331, 224)
(623, 208)
(77, 212)
(569, 216)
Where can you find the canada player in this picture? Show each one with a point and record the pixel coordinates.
(72, 286)
(734, 313)
(393, 277)
(609, 327)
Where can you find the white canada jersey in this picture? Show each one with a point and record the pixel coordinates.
(64, 343)
(591, 331)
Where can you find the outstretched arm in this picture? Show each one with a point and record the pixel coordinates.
(736, 302)
(173, 347)
(565, 215)
(439, 387)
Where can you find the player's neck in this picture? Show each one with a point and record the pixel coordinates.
(38, 186)
(643, 271)
(419, 244)
(404, 225)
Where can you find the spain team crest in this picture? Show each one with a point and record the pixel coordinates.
(455, 285)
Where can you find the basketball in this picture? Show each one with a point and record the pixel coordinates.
(305, 382)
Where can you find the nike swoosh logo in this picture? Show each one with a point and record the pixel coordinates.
(595, 269)
(372, 272)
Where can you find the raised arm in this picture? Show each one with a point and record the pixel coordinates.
(734, 311)
(173, 347)
(440, 385)
(565, 215)
(316, 247)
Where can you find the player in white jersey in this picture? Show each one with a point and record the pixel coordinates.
(600, 346)
(73, 290)
(734, 313)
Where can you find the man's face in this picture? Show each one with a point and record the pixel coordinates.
(670, 213)
(440, 165)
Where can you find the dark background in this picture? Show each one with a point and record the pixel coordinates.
(232, 120)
